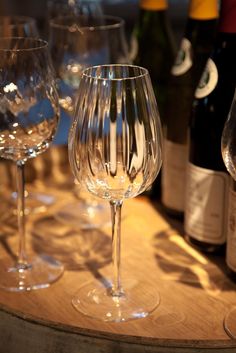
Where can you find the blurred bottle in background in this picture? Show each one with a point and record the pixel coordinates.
(153, 47)
(195, 48)
(207, 178)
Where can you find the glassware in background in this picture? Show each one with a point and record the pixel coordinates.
(228, 147)
(24, 26)
(71, 9)
(115, 151)
(76, 43)
(87, 8)
(18, 26)
(80, 42)
(29, 116)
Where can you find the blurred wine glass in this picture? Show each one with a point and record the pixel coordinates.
(228, 148)
(18, 26)
(87, 8)
(29, 114)
(76, 43)
(115, 151)
(24, 26)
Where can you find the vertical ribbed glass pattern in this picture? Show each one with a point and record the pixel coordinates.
(115, 141)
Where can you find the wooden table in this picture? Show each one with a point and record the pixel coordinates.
(195, 291)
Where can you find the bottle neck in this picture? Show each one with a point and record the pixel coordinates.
(201, 32)
(203, 9)
(227, 22)
(153, 5)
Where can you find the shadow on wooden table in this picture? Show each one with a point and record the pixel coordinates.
(77, 249)
(180, 261)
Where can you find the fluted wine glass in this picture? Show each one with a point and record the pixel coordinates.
(76, 43)
(228, 148)
(115, 151)
(29, 115)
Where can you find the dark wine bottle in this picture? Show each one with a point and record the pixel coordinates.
(194, 51)
(207, 178)
(154, 47)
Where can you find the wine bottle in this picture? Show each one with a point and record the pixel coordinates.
(207, 179)
(193, 53)
(154, 47)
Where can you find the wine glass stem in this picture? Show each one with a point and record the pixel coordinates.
(20, 182)
(116, 245)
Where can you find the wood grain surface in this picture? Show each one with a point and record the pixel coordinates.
(195, 292)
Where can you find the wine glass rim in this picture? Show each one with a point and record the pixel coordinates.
(42, 44)
(118, 23)
(143, 72)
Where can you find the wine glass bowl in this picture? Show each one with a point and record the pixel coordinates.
(115, 152)
(29, 115)
(24, 26)
(29, 107)
(76, 43)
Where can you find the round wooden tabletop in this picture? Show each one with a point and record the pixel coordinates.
(195, 292)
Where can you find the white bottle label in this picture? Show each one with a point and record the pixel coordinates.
(208, 80)
(183, 60)
(206, 204)
(231, 232)
(173, 175)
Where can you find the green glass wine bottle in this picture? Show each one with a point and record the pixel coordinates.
(154, 48)
(194, 51)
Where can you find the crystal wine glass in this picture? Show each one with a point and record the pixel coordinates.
(29, 115)
(24, 26)
(228, 148)
(115, 151)
(76, 43)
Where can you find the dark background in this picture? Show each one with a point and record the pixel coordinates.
(127, 9)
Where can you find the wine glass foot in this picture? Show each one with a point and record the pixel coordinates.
(83, 216)
(95, 300)
(40, 272)
(230, 323)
